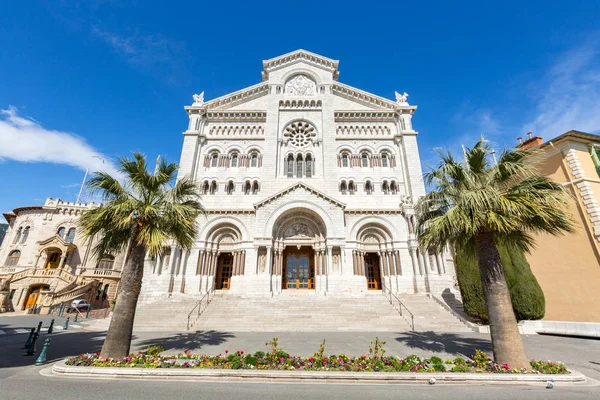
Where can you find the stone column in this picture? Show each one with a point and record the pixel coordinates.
(415, 262)
(361, 261)
(440, 265)
(37, 260)
(200, 261)
(354, 262)
(63, 257)
(398, 265)
(243, 263)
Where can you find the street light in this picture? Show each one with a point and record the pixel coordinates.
(85, 177)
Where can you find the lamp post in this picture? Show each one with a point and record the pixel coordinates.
(85, 177)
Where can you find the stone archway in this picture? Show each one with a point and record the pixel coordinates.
(222, 256)
(299, 250)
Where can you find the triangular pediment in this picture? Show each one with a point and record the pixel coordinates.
(55, 241)
(313, 59)
(299, 186)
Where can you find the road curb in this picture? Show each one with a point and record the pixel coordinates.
(61, 369)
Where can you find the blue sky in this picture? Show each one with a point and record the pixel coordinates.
(87, 79)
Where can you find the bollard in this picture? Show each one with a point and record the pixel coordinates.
(28, 342)
(60, 309)
(41, 360)
(31, 349)
(51, 326)
(39, 329)
(75, 318)
(66, 324)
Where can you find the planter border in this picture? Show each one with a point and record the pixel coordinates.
(206, 374)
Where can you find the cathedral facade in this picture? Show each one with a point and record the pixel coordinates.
(307, 184)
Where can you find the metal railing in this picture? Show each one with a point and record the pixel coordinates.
(199, 308)
(392, 298)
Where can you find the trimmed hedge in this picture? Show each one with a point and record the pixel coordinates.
(526, 294)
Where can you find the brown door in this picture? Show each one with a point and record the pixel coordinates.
(373, 275)
(32, 298)
(299, 273)
(224, 271)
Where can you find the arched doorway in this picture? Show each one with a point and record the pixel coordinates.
(375, 256)
(299, 247)
(33, 295)
(222, 257)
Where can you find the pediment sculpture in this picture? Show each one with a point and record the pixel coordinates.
(298, 230)
(198, 99)
(301, 85)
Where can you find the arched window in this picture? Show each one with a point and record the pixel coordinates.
(247, 187)
(290, 166)
(18, 235)
(230, 187)
(393, 187)
(213, 187)
(343, 187)
(106, 262)
(254, 160)
(345, 160)
(255, 188)
(299, 166)
(99, 291)
(351, 187)
(384, 160)
(369, 187)
(364, 160)
(234, 160)
(25, 235)
(214, 159)
(385, 188)
(13, 258)
(70, 236)
(61, 232)
(309, 166)
(205, 186)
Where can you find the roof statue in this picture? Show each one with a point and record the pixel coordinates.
(198, 99)
(401, 98)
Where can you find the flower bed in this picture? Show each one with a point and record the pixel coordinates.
(277, 359)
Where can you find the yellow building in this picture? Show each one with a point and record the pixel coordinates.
(568, 267)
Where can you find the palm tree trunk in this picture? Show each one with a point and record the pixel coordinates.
(506, 340)
(118, 338)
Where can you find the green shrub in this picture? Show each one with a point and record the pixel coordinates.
(251, 360)
(459, 361)
(439, 367)
(259, 354)
(236, 364)
(526, 294)
(436, 360)
(155, 350)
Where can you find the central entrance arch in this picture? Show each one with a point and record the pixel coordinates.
(299, 249)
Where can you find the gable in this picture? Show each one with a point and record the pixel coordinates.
(302, 189)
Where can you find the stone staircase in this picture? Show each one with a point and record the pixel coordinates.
(295, 311)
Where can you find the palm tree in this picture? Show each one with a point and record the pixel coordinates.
(479, 204)
(141, 215)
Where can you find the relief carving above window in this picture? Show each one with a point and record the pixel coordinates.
(301, 85)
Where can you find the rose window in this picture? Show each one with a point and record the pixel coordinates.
(300, 133)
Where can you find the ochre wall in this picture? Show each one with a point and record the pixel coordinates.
(568, 267)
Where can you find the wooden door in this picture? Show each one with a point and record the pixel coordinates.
(372, 270)
(32, 298)
(224, 271)
(298, 272)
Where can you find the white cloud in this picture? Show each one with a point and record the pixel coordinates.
(569, 94)
(26, 140)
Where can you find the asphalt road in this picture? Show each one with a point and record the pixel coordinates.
(19, 379)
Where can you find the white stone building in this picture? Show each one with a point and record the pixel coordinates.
(48, 262)
(307, 183)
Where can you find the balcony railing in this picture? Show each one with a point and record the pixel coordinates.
(102, 273)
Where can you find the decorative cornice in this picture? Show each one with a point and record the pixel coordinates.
(232, 99)
(374, 211)
(236, 116)
(364, 116)
(228, 211)
(300, 104)
(311, 58)
(298, 186)
(363, 97)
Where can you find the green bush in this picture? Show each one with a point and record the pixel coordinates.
(460, 368)
(251, 360)
(155, 350)
(525, 292)
(259, 354)
(439, 367)
(436, 360)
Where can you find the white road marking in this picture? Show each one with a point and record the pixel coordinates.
(2, 332)
(22, 330)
